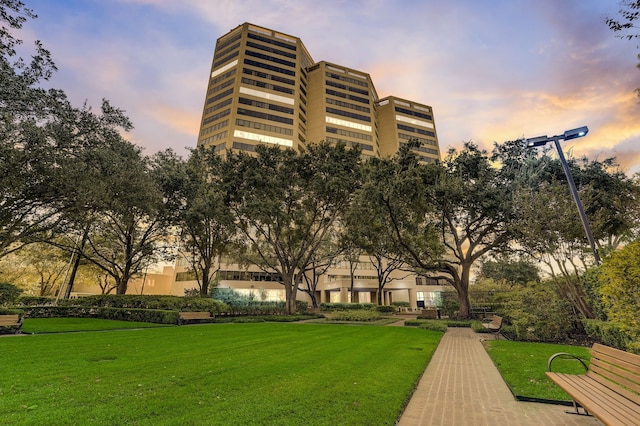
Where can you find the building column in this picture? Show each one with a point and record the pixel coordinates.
(344, 295)
(412, 299)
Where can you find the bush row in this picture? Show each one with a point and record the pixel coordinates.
(612, 334)
(356, 315)
(158, 316)
(333, 307)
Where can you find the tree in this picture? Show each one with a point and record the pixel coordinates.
(369, 228)
(286, 204)
(549, 227)
(446, 216)
(509, 271)
(129, 230)
(27, 198)
(205, 221)
(627, 25)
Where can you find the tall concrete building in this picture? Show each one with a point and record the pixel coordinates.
(264, 87)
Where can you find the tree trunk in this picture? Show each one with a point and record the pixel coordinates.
(77, 254)
(463, 292)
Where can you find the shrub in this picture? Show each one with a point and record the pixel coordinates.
(356, 315)
(132, 301)
(385, 308)
(123, 314)
(328, 307)
(538, 314)
(612, 334)
(401, 304)
(620, 289)
(433, 325)
(8, 293)
(36, 301)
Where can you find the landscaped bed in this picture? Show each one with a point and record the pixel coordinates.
(523, 364)
(231, 374)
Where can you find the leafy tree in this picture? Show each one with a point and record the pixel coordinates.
(549, 226)
(369, 227)
(620, 288)
(27, 198)
(626, 26)
(205, 221)
(510, 271)
(287, 204)
(129, 230)
(446, 216)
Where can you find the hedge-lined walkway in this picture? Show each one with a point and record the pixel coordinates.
(461, 386)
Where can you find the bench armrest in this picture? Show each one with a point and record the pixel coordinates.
(566, 355)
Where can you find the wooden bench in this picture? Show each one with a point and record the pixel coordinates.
(187, 317)
(494, 326)
(610, 387)
(11, 322)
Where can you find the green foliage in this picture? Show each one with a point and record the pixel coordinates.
(158, 316)
(9, 293)
(329, 307)
(401, 304)
(356, 315)
(613, 334)
(449, 304)
(286, 205)
(620, 289)
(128, 301)
(432, 325)
(10, 311)
(538, 314)
(386, 308)
(510, 271)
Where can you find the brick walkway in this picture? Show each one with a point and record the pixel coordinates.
(461, 386)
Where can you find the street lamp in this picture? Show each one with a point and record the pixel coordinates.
(568, 135)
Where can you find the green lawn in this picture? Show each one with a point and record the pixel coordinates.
(217, 374)
(58, 325)
(523, 364)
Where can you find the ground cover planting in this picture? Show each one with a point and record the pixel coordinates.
(523, 364)
(231, 374)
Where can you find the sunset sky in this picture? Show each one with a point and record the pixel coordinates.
(492, 70)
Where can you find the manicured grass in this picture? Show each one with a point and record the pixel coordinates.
(523, 364)
(215, 374)
(59, 325)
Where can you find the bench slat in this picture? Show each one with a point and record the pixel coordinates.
(624, 359)
(596, 374)
(9, 320)
(607, 406)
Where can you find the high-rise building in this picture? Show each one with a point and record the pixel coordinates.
(264, 87)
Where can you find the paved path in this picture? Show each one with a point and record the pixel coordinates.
(461, 387)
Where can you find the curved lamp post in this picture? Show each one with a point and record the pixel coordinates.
(568, 135)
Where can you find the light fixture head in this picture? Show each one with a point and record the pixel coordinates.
(537, 141)
(576, 133)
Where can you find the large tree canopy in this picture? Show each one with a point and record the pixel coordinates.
(286, 205)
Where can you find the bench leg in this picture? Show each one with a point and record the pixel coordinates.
(576, 410)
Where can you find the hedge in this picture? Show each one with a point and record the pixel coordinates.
(157, 316)
(612, 334)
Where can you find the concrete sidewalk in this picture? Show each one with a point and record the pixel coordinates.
(461, 387)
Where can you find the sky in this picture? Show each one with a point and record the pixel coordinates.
(492, 70)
